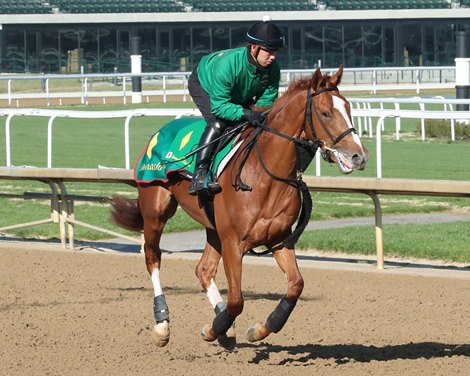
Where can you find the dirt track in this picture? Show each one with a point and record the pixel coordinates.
(82, 313)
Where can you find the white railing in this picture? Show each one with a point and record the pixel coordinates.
(366, 104)
(54, 114)
(381, 115)
(378, 114)
(374, 79)
(84, 92)
(175, 83)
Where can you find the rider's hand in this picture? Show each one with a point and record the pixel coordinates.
(254, 117)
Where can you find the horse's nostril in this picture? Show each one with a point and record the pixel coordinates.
(358, 160)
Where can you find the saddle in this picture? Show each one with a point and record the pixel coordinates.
(171, 149)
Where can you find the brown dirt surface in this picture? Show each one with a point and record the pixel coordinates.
(90, 313)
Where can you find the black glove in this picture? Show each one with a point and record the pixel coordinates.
(254, 117)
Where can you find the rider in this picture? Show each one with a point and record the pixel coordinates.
(225, 84)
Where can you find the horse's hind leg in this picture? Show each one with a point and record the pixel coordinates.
(206, 271)
(286, 260)
(157, 206)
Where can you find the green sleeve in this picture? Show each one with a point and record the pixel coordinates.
(222, 84)
(271, 93)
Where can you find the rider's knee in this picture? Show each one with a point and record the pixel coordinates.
(217, 125)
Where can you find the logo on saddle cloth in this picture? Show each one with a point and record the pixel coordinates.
(167, 151)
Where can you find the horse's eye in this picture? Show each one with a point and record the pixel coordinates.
(326, 114)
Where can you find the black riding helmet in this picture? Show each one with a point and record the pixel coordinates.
(266, 34)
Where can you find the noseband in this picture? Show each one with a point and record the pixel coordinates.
(308, 118)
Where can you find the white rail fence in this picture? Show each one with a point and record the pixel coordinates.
(381, 115)
(171, 84)
(127, 115)
(359, 114)
(367, 104)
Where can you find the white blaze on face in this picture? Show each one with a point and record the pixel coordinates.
(340, 105)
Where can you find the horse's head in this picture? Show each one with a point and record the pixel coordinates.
(328, 122)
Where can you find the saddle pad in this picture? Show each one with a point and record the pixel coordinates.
(167, 150)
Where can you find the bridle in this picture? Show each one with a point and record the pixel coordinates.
(325, 149)
(305, 148)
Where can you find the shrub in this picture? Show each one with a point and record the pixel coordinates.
(441, 129)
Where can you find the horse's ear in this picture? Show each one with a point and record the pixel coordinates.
(335, 80)
(316, 79)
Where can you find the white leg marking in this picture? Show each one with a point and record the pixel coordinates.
(213, 294)
(157, 287)
(339, 105)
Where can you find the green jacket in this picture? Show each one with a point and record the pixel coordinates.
(233, 83)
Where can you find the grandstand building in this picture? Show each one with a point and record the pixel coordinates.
(54, 36)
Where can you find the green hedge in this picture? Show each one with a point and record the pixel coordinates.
(441, 129)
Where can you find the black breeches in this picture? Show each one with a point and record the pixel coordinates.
(200, 97)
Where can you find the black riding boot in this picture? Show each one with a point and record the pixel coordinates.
(200, 182)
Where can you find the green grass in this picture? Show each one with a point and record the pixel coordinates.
(447, 241)
(411, 158)
(89, 143)
(97, 214)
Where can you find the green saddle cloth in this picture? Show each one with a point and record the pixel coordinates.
(168, 148)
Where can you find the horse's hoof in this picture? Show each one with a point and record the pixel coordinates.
(257, 333)
(161, 333)
(206, 333)
(228, 340)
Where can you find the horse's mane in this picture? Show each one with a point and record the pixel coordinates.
(301, 84)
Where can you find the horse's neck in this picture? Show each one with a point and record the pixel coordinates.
(278, 152)
(288, 116)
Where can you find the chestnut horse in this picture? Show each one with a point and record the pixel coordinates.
(259, 203)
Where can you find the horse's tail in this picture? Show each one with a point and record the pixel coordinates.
(126, 213)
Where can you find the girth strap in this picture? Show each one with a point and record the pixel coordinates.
(302, 222)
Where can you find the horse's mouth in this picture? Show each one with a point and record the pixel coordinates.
(344, 163)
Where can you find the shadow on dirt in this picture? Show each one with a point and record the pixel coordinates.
(342, 354)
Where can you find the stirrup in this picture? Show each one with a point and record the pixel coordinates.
(213, 187)
(203, 186)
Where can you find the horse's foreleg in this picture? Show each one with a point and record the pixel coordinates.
(206, 272)
(286, 260)
(157, 206)
(161, 330)
(225, 317)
